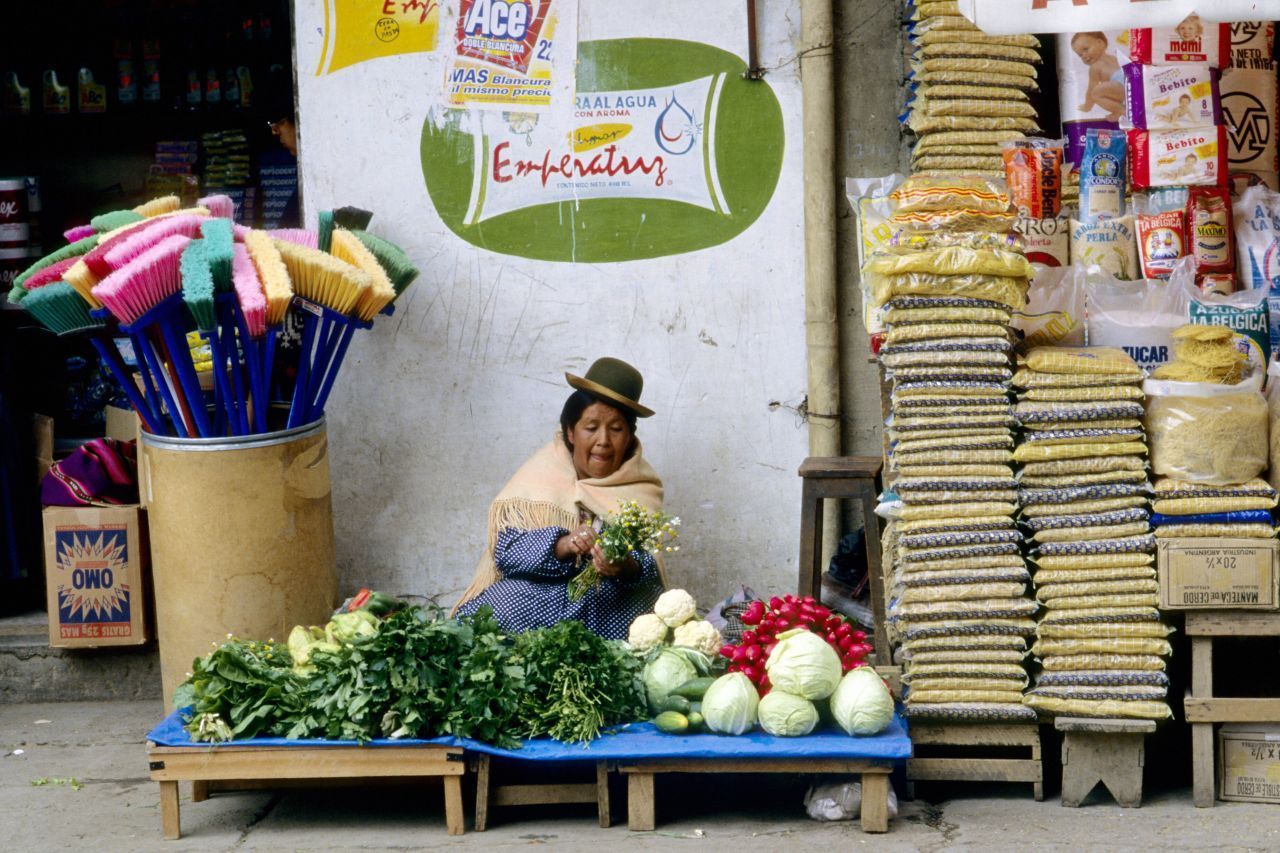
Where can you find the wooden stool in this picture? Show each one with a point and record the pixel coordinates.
(1106, 751)
(843, 477)
(489, 795)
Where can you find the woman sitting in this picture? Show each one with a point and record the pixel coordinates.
(543, 524)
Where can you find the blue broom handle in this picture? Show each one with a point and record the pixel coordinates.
(225, 309)
(298, 409)
(252, 365)
(170, 322)
(331, 331)
(323, 397)
(111, 358)
(149, 391)
(175, 414)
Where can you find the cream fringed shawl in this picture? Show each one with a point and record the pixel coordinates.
(546, 492)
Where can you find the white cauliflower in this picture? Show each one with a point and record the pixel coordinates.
(675, 607)
(701, 635)
(646, 632)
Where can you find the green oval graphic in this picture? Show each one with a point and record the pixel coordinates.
(670, 150)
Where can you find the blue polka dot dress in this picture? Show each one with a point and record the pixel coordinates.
(533, 591)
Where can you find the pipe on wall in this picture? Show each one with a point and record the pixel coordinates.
(821, 314)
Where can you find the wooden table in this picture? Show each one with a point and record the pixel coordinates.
(641, 799)
(1201, 708)
(257, 765)
(1110, 751)
(489, 795)
(978, 766)
(832, 477)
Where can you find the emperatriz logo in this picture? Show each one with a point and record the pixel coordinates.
(1248, 124)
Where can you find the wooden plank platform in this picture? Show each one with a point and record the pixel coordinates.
(258, 766)
(1202, 708)
(641, 779)
(977, 767)
(1110, 752)
(489, 795)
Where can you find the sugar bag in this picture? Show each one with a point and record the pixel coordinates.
(1192, 40)
(1109, 244)
(1171, 97)
(1256, 215)
(1175, 158)
(1139, 317)
(1249, 111)
(1090, 84)
(1245, 313)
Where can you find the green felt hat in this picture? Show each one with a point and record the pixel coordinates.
(613, 380)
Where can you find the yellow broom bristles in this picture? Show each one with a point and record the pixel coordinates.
(346, 247)
(273, 274)
(82, 279)
(322, 278)
(157, 206)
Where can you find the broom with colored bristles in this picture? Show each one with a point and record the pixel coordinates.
(57, 307)
(251, 325)
(145, 295)
(277, 290)
(212, 302)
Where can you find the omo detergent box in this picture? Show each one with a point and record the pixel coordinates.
(95, 560)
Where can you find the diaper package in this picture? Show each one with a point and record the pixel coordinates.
(1172, 96)
(1192, 40)
(1174, 158)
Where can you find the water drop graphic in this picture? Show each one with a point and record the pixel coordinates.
(676, 131)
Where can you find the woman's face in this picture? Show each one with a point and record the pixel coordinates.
(600, 441)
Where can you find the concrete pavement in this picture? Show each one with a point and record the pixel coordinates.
(74, 776)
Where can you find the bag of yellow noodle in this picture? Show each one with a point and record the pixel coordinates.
(1208, 433)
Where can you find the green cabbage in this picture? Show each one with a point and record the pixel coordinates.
(785, 715)
(862, 704)
(665, 673)
(730, 703)
(804, 665)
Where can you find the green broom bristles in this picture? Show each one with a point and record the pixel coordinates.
(71, 250)
(218, 251)
(105, 222)
(324, 228)
(59, 308)
(17, 294)
(197, 285)
(352, 218)
(395, 263)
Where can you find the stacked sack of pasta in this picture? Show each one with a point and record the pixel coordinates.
(969, 91)
(1083, 494)
(1208, 423)
(949, 284)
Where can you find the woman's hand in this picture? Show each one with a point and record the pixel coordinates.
(576, 543)
(623, 569)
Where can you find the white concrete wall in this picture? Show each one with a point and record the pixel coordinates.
(438, 405)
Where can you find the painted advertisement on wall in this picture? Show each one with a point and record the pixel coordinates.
(356, 31)
(511, 54)
(667, 149)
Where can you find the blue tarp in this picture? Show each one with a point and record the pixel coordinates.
(636, 741)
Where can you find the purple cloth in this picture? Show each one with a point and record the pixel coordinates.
(103, 471)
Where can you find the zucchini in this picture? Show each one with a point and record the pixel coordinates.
(696, 722)
(672, 723)
(674, 703)
(693, 688)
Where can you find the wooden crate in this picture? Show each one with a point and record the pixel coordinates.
(641, 778)
(265, 766)
(977, 765)
(1202, 709)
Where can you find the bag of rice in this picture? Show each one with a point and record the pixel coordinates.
(1048, 240)
(1107, 243)
(1207, 433)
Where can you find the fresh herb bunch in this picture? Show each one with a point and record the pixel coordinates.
(247, 684)
(631, 528)
(577, 683)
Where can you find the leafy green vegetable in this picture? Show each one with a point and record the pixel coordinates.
(577, 683)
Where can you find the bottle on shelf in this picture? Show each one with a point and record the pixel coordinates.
(56, 98)
(17, 97)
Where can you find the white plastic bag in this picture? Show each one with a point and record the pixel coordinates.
(1054, 315)
(872, 208)
(1208, 433)
(840, 801)
(1139, 316)
(1273, 410)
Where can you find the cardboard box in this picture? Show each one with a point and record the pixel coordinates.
(95, 576)
(43, 427)
(122, 424)
(1219, 574)
(1249, 762)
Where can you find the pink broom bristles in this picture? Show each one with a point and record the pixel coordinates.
(239, 232)
(96, 258)
(253, 301)
(49, 274)
(144, 282)
(79, 233)
(219, 206)
(297, 236)
(133, 244)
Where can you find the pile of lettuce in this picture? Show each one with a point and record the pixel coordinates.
(414, 673)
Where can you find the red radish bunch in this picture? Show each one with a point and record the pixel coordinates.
(766, 622)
